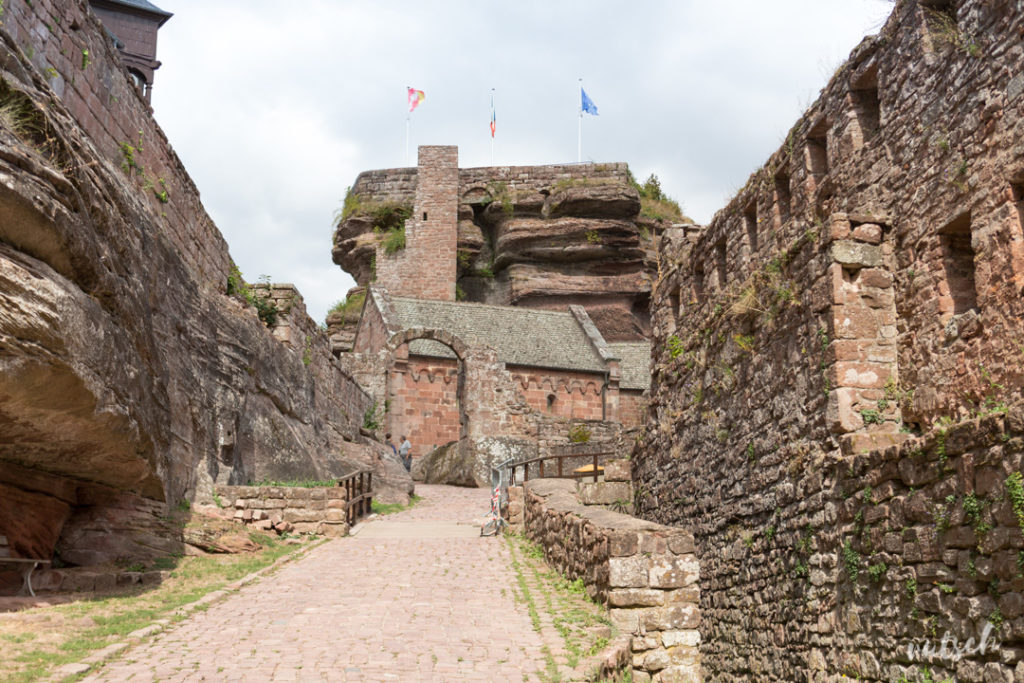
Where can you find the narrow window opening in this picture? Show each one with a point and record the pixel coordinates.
(816, 159)
(674, 299)
(551, 403)
(958, 263)
(720, 262)
(424, 215)
(782, 196)
(867, 107)
(698, 283)
(750, 221)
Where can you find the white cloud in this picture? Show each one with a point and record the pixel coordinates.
(276, 107)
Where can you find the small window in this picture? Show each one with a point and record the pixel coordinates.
(750, 221)
(720, 262)
(867, 107)
(674, 300)
(551, 403)
(424, 215)
(958, 263)
(698, 282)
(816, 152)
(782, 197)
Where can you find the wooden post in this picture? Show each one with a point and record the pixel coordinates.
(595, 468)
(542, 468)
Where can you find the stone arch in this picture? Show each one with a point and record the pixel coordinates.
(477, 194)
(458, 347)
(432, 422)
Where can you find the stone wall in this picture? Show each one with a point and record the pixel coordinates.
(126, 369)
(645, 573)
(69, 48)
(424, 405)
(426, 267)
(564, 393)
(632, 408)
(318, 510)
(815, 342)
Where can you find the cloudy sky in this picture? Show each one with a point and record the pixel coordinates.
(275, 107)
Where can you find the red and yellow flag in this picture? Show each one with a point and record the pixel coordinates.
(415, 97)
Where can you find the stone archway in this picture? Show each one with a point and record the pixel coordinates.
(426, 394)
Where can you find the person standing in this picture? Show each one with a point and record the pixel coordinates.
(390, 444)
(404, 451)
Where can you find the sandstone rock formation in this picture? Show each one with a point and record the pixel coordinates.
(542, 237)
(129, 380)
(445, 464)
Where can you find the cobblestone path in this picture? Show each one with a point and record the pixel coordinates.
(415, 596)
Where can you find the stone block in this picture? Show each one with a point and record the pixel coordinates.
(681, 543)
(300, 515)
(680, 673)
(617, 470)
(318, 493)
(676, 617)
(690, 638)
(851, 253)
(628, 572)
(333, 529)
(868, 232)
(674, 571)
(335, 515)
(604, 493)
(635, 597)
(655, 660)
(623, 543)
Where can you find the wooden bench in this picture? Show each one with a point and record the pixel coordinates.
(27, 566)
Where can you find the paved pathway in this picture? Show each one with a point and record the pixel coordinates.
(416, 596)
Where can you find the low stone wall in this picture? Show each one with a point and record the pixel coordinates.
(645, 573)
(319, 510)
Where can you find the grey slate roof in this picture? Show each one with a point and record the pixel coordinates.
(142, 5)
(635, 364)
(521, 336)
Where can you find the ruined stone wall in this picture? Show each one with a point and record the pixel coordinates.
(71, 52)
(561, 393)
(317, 510)
(864, 287)
(645, 573)
(426, 267)
(124, 365)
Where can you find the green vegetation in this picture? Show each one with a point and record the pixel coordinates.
(351, 307)
(391, 508)
(579, 433)
(85, 59)
(371, 420)
(265, 307)
(394, 240)
(851, 561)
(675, 346)
(1015, 491)
(38, 640)
(877, 572)
(386, 218)
(654, 203)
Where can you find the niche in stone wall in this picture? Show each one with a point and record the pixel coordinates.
(674, 299)
(750, 222)
(958, 265)
(698, 282)
(721, 264)
(940, 30)
(816, 151)
(867, 108)
(782, 196)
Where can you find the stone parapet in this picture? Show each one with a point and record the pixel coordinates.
(320, 510)
(645, 573)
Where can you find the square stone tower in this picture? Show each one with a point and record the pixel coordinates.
(427, 267)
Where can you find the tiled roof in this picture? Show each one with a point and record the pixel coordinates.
(142, 5)
(521, 336)
(635, 364)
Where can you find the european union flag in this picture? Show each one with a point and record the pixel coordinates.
(588, 104)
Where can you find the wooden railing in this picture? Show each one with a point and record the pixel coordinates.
(359, 487)
(558, 468)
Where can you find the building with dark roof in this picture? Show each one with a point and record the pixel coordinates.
(133, 26)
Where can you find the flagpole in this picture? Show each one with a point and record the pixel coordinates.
(492, 132)
(406, 139)
(579, 142)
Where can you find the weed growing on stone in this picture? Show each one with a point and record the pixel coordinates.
(876, 572)
(371, 420)
(851, 561)
(391, 508)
